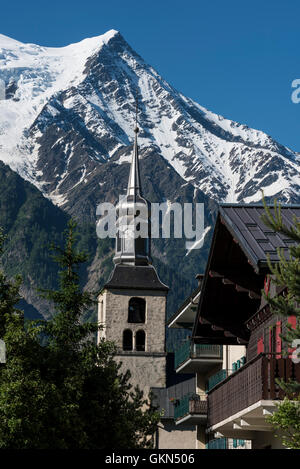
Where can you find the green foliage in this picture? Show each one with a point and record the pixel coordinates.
(287, 419)
(65, 391)
(22, 391)
(287, 274)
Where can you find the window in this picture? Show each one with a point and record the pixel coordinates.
(140, 341)
(127, 339)
(136, 310)
(140, 245)
(260, 346)
(118, 242)
(275, 339)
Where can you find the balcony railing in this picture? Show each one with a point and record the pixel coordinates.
(225, 443)
(190, 405)
(191, 350)
(253, 382)
(218, 443)
(216, 379)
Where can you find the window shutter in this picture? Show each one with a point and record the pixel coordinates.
(260, 346)
(270, 342)
(278, 339)
(292, 320)
(267, 283)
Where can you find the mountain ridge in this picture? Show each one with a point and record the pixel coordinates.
(89, 122)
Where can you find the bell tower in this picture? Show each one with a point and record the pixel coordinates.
(132, 304)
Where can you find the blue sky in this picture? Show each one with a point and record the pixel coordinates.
(236, 58)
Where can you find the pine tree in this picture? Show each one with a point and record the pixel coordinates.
(287, 274)
(58, 389)
(104, 410)
(24, 395)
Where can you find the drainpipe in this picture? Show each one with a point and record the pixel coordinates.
(227, 360)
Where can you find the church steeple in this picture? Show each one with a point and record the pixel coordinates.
(133, 218)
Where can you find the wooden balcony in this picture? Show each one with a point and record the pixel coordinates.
(190, 408)
(241, 401)
(192, 358)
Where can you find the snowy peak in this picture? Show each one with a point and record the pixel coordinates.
(70, 109)
(60, 66)
(86, 45)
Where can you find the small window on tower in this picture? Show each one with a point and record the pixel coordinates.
(118, 242)
(136, 310)
(127, 339)
(140, 340)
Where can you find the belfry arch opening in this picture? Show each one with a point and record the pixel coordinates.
(127, 340)
(137, 310)
(140, 341)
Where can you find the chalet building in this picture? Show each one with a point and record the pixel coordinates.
(208, 363)
(235, 349)
(235, 276)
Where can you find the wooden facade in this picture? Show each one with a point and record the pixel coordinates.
(254, 382)
(232, 310)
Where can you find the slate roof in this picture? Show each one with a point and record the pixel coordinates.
(239, 250)
(135, 277)
(256, 239)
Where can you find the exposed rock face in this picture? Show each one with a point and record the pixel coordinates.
(69, 115)
(67, 126)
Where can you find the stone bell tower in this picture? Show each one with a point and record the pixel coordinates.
(132, 304)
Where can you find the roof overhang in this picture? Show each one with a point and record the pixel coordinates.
(243, 424)
(231, 290)
(185, 316)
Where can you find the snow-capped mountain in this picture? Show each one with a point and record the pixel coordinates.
(69, 115)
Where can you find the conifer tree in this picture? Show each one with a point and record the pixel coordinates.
(65, 391)
(105, 411)
(24, 395)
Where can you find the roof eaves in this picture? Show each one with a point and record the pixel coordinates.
(189, 300)
(204, 281)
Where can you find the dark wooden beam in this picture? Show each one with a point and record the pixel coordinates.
(203, 339)
(204, 321)
(229, 334)
(226, 281)
(224, 330)
(254, 296)
(251, 294)
(217, 328)
(242, 341)
(242, 283)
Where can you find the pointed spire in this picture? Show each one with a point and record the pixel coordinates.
(134, 182)
(133, 250)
